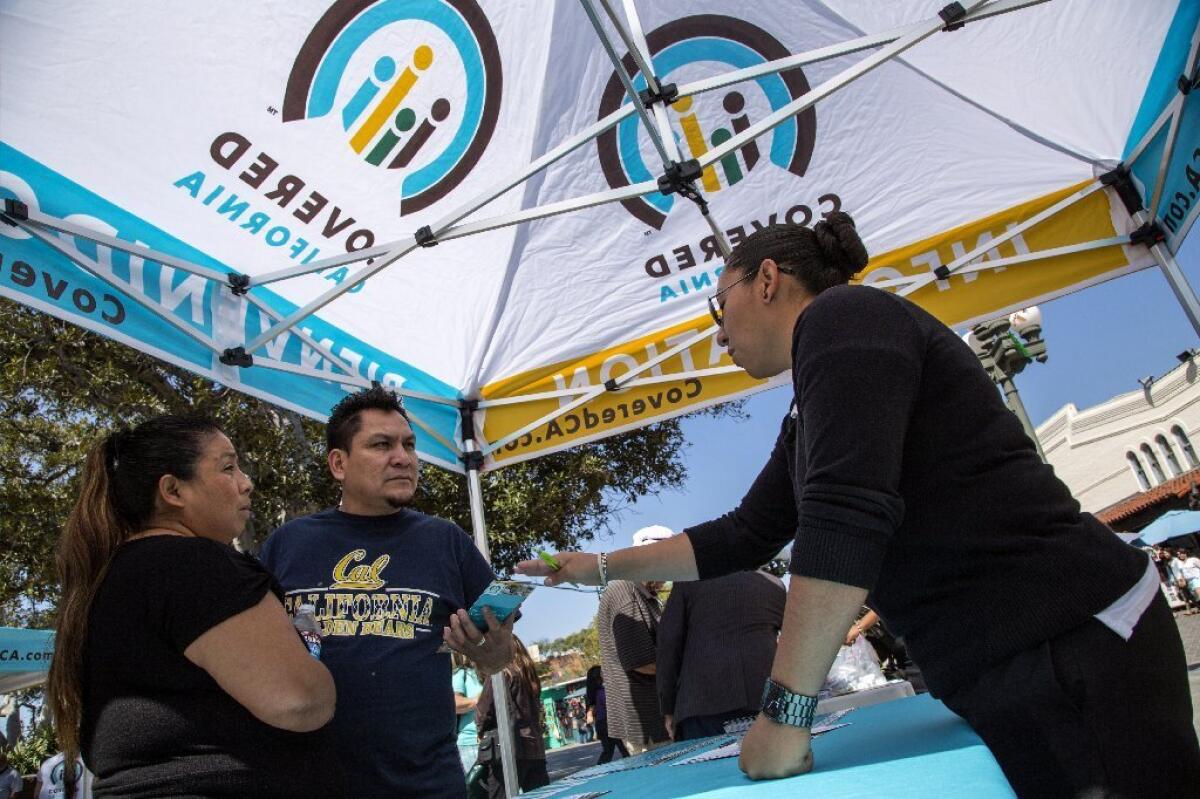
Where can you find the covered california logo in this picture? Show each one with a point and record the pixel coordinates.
(414, 84)
(697, 47)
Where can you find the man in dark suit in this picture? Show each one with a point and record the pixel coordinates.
(716, 643)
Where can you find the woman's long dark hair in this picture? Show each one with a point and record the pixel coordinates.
(826, 255)
(116, 499)
(522, 668)
(595, 678)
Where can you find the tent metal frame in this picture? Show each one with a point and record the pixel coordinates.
(679, 176)
(890, 44)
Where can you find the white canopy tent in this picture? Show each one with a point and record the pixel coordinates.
(488, 206)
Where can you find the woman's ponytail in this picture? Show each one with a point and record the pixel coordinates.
(89, 539)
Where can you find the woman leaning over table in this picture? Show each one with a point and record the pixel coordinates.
(900, 472)
(176, 670)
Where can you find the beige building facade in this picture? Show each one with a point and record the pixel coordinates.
(1135, 443)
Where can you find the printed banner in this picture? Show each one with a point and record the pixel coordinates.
(255, 138)
(962, 298)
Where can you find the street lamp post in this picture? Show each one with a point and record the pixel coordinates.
(1005, 347)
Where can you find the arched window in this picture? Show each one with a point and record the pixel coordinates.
(1185, 444)
(1135, 464)
(1169, 453)
(1155, 466)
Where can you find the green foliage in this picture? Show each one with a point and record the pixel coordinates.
(33, 749)
(586, 641)
(63, 388)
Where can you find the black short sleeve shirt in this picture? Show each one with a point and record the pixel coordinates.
(156, 724)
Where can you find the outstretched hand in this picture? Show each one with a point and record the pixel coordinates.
(579, 568)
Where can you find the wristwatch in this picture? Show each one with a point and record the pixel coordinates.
(786, 707)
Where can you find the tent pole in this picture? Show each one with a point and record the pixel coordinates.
(402, 248)
(559, 152)
(94, 268)
(444, 228)
(133, 248)
(473, 459)
(635, 43)
(834, 51)
(1178, 282)
(1175, 110)
(1013, 260)
(647, 121)
(915, 34)
(945, 271)
(430, 235)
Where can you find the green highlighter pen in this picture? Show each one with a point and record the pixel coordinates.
(550, 561)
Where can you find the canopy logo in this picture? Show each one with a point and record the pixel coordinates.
(692, 47)
(415, 85)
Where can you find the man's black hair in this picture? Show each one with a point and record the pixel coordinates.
(345, 421)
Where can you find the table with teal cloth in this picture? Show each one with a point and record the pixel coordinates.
(913, 747)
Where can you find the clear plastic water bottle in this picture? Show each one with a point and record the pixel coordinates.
(309, 629)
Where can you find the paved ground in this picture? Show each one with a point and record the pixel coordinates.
(1194, 678)
(569, 759)
(1189, 631)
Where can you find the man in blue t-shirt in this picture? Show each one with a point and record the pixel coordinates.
(388, 584)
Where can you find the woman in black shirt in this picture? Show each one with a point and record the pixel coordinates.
(176, 670)
(597, 709)
(899, 472)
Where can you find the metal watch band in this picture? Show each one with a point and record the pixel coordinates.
(787, 707)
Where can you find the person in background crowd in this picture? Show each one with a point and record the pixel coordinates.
(176, 671)
(579, 715)
(467, 687)
(392, 681)
(899, 473)
(10, 781)
(525, 715)
(716, 643)
(627, 626)
(892, 654)
(564, 721)
(573, 721)
(589, 723)
(1161, 561)
(1186, 570)
(53, 781)
(598, 711)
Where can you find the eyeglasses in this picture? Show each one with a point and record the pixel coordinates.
(717, 308)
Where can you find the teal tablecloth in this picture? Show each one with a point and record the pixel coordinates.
(907, 748)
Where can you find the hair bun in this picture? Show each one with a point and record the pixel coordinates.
(840, 243)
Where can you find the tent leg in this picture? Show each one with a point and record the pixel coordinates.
(504, 729)
(1179, 284)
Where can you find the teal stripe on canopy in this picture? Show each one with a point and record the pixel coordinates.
(1162, 86)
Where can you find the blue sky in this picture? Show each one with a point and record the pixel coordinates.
(1100, 341)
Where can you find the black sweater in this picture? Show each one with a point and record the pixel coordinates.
(901, 471)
